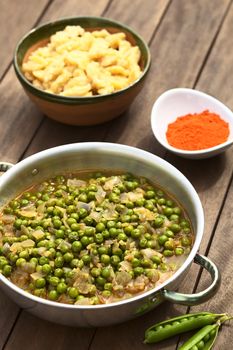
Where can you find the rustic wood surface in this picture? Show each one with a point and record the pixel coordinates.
(191, 46)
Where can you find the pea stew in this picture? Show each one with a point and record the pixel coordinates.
(92, 238)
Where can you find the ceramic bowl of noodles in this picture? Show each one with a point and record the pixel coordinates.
(82, 70)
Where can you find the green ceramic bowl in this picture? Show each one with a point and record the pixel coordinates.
(80, 110)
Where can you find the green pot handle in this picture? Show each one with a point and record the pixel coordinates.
(201, 297)
(4, 166)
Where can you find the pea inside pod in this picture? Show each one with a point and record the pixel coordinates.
(203, 339)
(181, 324)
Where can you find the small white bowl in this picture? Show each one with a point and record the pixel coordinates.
(181, 101)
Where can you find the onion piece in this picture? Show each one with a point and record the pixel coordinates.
(38, 234)
(113, 181)
(144, 214)
(100, 194)
(8, 219)
(76, 183)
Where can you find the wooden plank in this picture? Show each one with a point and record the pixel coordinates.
(70, 8)
(142, 16)
(221, 253)
(32, 333)
(212, 189)
(16, 18)
(220, 60)
(9, 312)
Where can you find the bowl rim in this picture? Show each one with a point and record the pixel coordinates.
(137, 154)
(79, 99)
(179, 151)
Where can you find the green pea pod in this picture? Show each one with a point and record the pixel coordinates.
(209, 344)
(180, 324)
(209, 330)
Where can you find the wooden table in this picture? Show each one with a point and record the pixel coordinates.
(191, 44)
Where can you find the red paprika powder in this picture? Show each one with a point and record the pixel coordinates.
(197, 131)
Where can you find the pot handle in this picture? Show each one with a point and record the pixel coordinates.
(4, 166)
(201, 297)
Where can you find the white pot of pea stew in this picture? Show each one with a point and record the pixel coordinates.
(93, 234)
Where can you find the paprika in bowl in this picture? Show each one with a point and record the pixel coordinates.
(191, 123)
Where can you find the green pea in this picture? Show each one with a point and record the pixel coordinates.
(149, 194)
(106, 272)
(106, 234)
(115, 260)
(7, 269)
(46, 269)
(138, 270)
(95, 272)
(86, 259)
(175, 228)
(76, 246)
(64, 248)
(162, 239)
(143, 242)
(146, 263)
(111, 223)
(85, 241)
(24, 254)
(168, 211)
(68, 257)
(100, 280)
(105, 259)
(18, 223)
(100, 227)
(53, 295)
(168, 252)
(71, 221)
(58, 272)
(169, 233)
(82, 213)
(179, 251)
(122, 237)
(20, 262)
(156, 259)
(89, 231)
(125, 218)
(169, 203)
(106, 293)
(43, 260)
(177, 210)
(161, 201)
(40, 282)
(117, 251)
(61, 287)
(135, 262)
(175, 218)
(59, 261)
(113, 232)
(186, 241)
(103, 250)
(73, 292)
(39, 292)
(136, 233)
(158, 222)
(169, 244)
